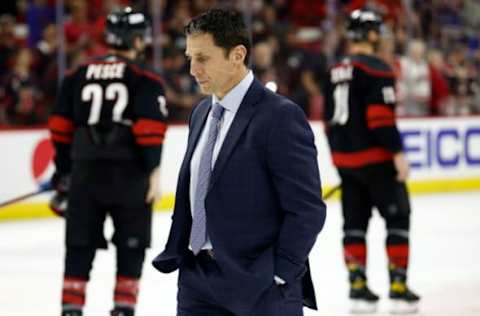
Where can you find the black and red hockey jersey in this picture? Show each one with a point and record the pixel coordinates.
(360, 112)
(110, 108)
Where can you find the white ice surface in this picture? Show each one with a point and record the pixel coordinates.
(445, 264)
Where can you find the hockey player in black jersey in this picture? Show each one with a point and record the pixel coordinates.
(367, 151)
(108, 128)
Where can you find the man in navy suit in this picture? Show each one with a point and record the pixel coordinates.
(248, 204)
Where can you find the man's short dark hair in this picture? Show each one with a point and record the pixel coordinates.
(226, 26)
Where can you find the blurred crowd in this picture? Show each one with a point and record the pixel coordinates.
(433, 46)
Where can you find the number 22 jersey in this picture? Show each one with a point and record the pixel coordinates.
(110, 108)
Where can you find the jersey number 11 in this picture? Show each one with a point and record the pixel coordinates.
(341, 112)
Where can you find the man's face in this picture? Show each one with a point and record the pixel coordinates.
(373, 38)
(139, 45)
(212, 70)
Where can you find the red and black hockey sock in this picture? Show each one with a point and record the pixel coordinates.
(398, 253)
(397, 266)
(355, 249)
(355, 255)
(397, 249)
(398, 256)
(126, 292)
(73, 293)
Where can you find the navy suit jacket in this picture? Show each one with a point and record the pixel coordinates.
(264, 207)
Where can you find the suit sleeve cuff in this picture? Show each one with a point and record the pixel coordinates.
(278, 280)
(287, 270)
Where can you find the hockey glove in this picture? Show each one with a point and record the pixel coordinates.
(60, 182)
(59, 201)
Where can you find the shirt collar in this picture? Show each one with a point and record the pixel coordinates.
(233, 99)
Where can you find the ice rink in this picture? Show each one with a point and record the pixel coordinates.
(445, 264)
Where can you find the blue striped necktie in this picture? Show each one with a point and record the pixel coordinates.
(198, 234)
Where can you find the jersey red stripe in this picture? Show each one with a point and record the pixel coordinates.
(148, 127)
(149, 140)
(60, 124)
(380, 123)
(61, 138)
(361, 158)
(379, 115)
(379, 110)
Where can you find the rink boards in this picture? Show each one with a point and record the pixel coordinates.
(444, 154)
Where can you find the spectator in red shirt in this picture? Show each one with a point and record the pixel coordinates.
(82, 33)
(307, 12)
(440, 98)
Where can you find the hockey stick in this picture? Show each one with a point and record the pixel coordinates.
(43, 188)
(331, 192)
(46, 187)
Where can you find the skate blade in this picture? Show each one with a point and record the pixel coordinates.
(362, 307)
(399, 307)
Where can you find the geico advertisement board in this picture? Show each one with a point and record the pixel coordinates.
(448, 148)
(437, 149)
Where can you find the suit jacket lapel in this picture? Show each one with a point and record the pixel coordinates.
(240, 122)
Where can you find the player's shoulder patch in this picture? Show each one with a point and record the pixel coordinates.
(372, 65)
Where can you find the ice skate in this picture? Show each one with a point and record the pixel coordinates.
(402, 299)
(362, 299)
